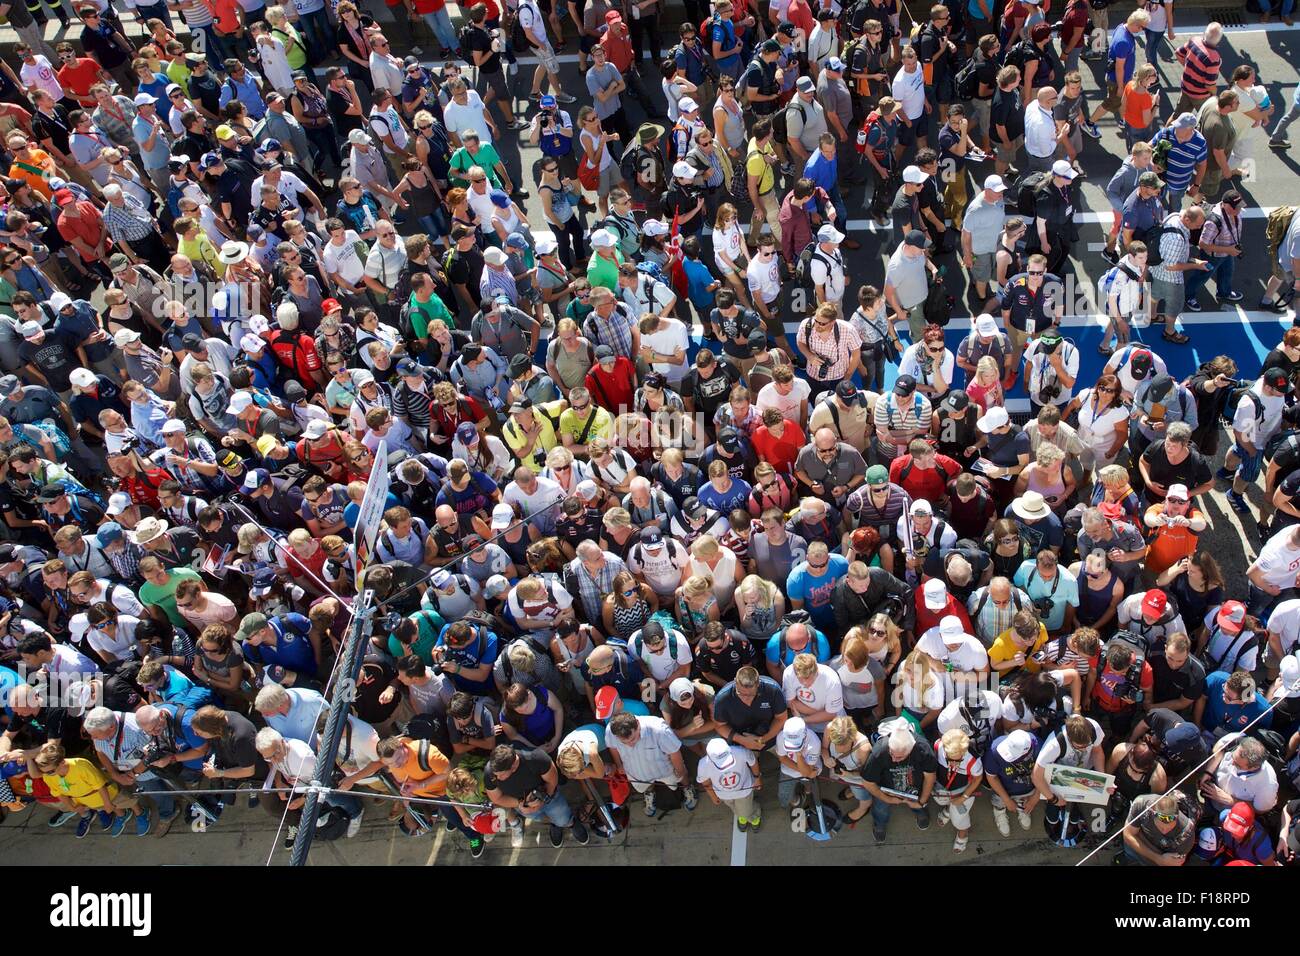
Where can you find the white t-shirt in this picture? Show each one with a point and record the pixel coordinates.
(764, 279)
(1285, 623)
(344, 260)
(118, 646)
(910, 364)
(909, 90)
(1279, 560)
(947, 538)
(827, 269)
(1016, 712)
(1042, 373)
(472, 115)
(545, 493)
(734, 783)
(825, 693)
(587, 743)
(1156, 9)
(1224, 648)
(670, 337)
(1097, 429)
(661, 569)
(41, 75)
(858, 687)
(1121, 365)
(297, 765)
(557, 601)
(787, 405)
(970, 656)
(1051, 750)
(728, 241)
(662, 664)
(1254, 429)
(950, 718)
(811, 750)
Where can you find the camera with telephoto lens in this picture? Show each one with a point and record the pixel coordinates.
(1129, 689)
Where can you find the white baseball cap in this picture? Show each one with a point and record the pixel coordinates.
(117, 503)
(239, 402)
(986, 325)
(913, 174)
(720, 754)
(173, 425)
(1179, 492)
(82, 377)
(995, 183)
(1289, 675)
(936, 594)
(1063, 169)
(829, 233)
(1015, 745)
(502, 516)
(684, 170)
(921, 507)
(124, 337)
(995, 418)
(251, 343)
(687, 105)
(950, 628)
(315, 429)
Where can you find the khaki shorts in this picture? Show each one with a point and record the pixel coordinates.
(549, 59)
(982, 266)
(1008, 154)
(610, 178)
(1113, 99)
(1019, 338)
(979, 114)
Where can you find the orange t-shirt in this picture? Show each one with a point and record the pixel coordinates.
(412, 771)
(23, 169)
(1136, 102)
(1170, 545)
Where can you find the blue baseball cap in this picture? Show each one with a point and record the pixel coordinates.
(548, 102)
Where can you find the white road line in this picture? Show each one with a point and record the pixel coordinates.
(739, 843)
(1235, 316)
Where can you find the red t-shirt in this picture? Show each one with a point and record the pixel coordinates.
(433, 6)
(929, 484)
(781, 452)
(1108, 681)
(78, 77)
(926, 619)
(88, 227)
(618, 50)
(801, 15)
(613, 390)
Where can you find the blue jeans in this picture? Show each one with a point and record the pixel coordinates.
(161, 793)
(451, 816)
(880, 811)
(156, 10)
(1221, 270)
(214, 48)
(1154, 40)
(1286, 7)
(439, 22)
(556, 809)
(316, 33)
(1174, 198)
(1279, 131)
(841, 211)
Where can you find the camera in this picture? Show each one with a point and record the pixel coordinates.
(1043, 607)
(1130, 688)
(1049, 392)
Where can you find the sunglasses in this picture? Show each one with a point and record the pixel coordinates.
(1037, 272)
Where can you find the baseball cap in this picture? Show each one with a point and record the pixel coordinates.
(1239, 820)
(1155, 601)
(587, 489)
(1015, 745)
(877, 475)
(117, 503)
(995, 183)
(848, 392)
(986, 325)
(687, 105)
(921, 507)
(606, 697)
(603, 352)
(836, 64)
(29, 329)
(496, 585)
(829, 233)
(916, 238)
(548, 102)
(466, 433)
(684, 170)
(408, 367)
(1185, 121)
(251, 343)
(502, 516)
(82, 377)
(935, 593)
(720, 754)
(316, 428)
(358, 137)
(1063, 169)
(1231, 617)
(109, 532)
(956, 401)
(144, 99)
(124, 337)
(950, 628)
(1276, 379)
(1150, 180)
(794, 732)
(904, 385)
(251, 624)
(655, 227)
(263, 582)
(995, 418)
(604, 239)
(913, 174)
(805, 84)
(729, 439)
(1177, 492)
(652, 538)
(255, 479)
(239, 403)
(680, 688)
(1289, 675)
(1140, 363)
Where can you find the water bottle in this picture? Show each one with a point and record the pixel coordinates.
(860, 143)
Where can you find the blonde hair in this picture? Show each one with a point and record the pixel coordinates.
(570, 759)
(697, 585)
(805, 665)
(985, 367)
(461, 784)
(1048, 454)
(854, 649)
(1115, 475)
(841, 731)
(917, 664)
(755, 584)
(705, 546)
(892, 632)
(955, 743)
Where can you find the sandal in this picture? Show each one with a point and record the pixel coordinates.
(1178, 338)
(1106, 349)
(959, 845)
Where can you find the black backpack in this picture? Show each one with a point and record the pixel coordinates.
(1234, 399)
(1019, 53)
(1027, 191)
(967, 80)
(1151, 238)
(938, 302)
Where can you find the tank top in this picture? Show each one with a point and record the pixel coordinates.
(629, 620)
(315, 111)
(846, 766)
(733, 127)
(561, 208)
(422, 201)
(1015, 267)
(1048, 489)
(580, 656)
(1129, 788)
(540, 724)
(1093, 604)
(692, 621)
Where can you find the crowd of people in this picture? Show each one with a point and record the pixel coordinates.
(249, 250)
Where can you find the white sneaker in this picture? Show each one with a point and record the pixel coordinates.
(1026, 821)
(1004, 825)
(943, 818)
(354, 825)
(650, 808)
(517, 835)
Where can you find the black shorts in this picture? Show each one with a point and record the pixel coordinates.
(976, 30)
(907, 134)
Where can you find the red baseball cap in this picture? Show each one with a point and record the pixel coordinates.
(1155, 602)
(1231, 617)
(1240, 819)
(331, 305)
(606, 697)
(612, 16)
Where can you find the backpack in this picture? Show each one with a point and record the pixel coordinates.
(519, 40)
(1152, 239)
(1236, 650)
(638, 646)
(332, 823)
(1027, 191)
(1279, 223)
(967, 80)
(1108, 280)
(1234, 399)
(803, 266)
(1138, 645)
(938, 302)
(1018, 54)
(984, 599)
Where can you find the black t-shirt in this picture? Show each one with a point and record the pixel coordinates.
(53, 126)
(1188, 681)
(585, 525)
(906, 776)
(31, 732)
(986, 72)
(272, 220)
(1005, 450)
(533, 766)
(55, 356)
(477, 39)
(377, 673)
(280, 509)
(1192, 471)
(236, 748)
(185, 542)
(1277, 359)
(207, 91)
(465, 268)
(936, 561)
(737, 653)
(1006, 111)
(1290, 487)
(710, 393)
(928, 43)
(905, 213)
(755, 718)
(232, 187)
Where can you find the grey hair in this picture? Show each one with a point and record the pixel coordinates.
(270, 697)
(101, 718)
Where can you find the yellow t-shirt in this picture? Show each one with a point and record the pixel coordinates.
(756, 165)
(200, 249)
(546, 440)
(82, 783)
(572, 424)
(1004, 649)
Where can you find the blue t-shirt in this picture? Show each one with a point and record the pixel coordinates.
(723, 33)
(815, 589)
(484, 649)
(1122, 45)
(821, 649)
(698, 280)
(179, 689)
(1066, 592)
(1256, 847)
(186, 738)
(1183, 158)
(822, 171)
(724, 501)
(1016, 778)
(1234, 717)
(292, 650)
(9, 679)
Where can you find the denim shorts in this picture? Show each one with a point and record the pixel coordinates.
(1248, 470)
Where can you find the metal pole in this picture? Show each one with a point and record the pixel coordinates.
(341, 701)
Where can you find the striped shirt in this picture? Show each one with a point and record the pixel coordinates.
(1182, 159)
(196, 13)
(1200, 68)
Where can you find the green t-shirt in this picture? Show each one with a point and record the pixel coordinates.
(424, 313)
(487, 157)
(430, 624)
(604, 272)
(151, 595)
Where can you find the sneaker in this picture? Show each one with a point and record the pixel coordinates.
(650, 808)
(519, 194)
(417, 51)
(60, 818)
(1091, 129)
(1279, 144)
(564, 98)
(878, 834)
(1192, 305)
(1267, 305)
(580, 834)
(449, 826)
(143, 823)
(1238, 503)
(519, 123)
(444, 53)
(476, 848)
(1110, 255)
(354, 825)
(690, 798)
(1262, 529)
(756, 821)
(119, 823)
(787, 169)
(165, 824)
(1025, 820)
(742, 824)
(557, 836)
(922, 818)
(291, 836)
(1231, 297)
(1004, 825)
(1223, 474)
(517, 836)
(253, 801)
(535, 95)
(83, 825)
(106, 820)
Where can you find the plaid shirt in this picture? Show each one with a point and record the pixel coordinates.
(129, 222)
(1175, 249)
(616, 331)
(127, 562)
(593, 590)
